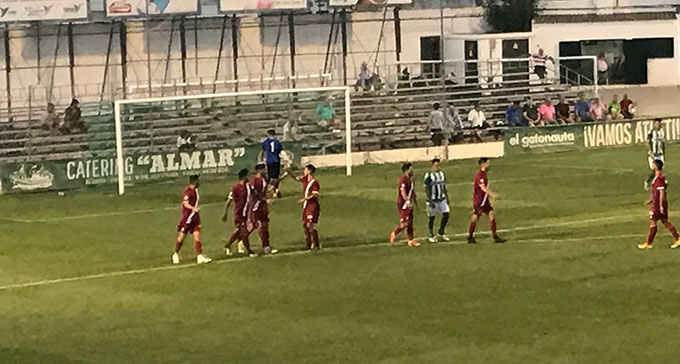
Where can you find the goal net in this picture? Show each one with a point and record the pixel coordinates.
(169, 137)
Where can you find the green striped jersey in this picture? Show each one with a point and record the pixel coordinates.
(435, 183)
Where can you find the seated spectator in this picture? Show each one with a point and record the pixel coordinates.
(615, 109)
(51, 121)
(562, 112)
(366, 79)
(185, 141)
(326, 114)
(582, 110)
(627, 107)
(453, 130)
(530, 113)
(513, 114)
(436, 124)
(290, 130)
(546, 113)
(476, 117)
(72, 121)
(598, 110)
(404, 79)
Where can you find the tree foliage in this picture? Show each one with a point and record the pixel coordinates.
(510, 15)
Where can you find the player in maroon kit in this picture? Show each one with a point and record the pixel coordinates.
(310, 207)
(405, 202)
(659, 208)
(481, 203)
(240, 197)
(260, 207)
(190, 222)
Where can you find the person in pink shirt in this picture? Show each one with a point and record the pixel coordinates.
(598, 110)
(546, 113)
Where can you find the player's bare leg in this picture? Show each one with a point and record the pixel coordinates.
(200, 257)
(650, 237)
(471, 229)
(492, 225)
(178, 246)
(674, 232)
(315, 236)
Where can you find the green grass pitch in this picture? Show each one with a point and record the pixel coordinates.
(568, 287)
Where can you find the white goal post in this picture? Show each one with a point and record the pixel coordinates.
(119, 104)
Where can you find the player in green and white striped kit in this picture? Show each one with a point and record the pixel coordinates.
(437, 200)
(657, 145)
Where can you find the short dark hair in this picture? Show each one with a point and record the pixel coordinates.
(436, 160)
(435, 106)
(482, 161)
(311, 168)
(406, 166)
(260, 167)
(516, 102)
(271, 132)
(659, 164)
(193, 179)
(243, 173)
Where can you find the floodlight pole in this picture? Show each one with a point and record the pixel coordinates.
(348, 130)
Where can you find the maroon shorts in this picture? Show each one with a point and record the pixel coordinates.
(189, 224)
(310, 213)
(656, 216)
(482, 209)
(261, 214)
(405, 215)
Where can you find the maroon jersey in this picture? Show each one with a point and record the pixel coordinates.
(659, 204)
(480, 198)
(258, 192)
(240, 193)
(309, 186)
(405, 187)
(190, 220)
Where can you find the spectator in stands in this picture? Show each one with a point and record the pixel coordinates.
(185, 141)
(476, 117)
(366, 79)
(290, 130)
(598, 110)
(602, 69)
(530, 113)
(52, 120)
(436, 124)
(615, 108)
(546, 113)
(326, 114)
(453, 130)
(627, 107)
(540, 59)
(513, 115)
(562, 112)
(72, 119)
(582, 110)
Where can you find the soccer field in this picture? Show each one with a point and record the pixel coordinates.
(86, 278)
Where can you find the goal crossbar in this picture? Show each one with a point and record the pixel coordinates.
(118, 104)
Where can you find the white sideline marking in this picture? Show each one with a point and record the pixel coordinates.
(329, 249)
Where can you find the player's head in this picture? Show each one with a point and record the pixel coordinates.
(309, 169)
(483, 163)
(194, 180)
(407, 168)
(260, 168)
(657, 124)
(243, 174)
(435, 164)
(271, 133)
(657, 165)
(435, 106)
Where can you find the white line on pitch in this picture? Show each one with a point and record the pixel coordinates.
(301, 252)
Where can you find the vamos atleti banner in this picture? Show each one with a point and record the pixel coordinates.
(73, 174)
(35, 10)
(152, 7)
(256, 5)
(586, 136)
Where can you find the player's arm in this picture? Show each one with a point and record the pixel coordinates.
(487, 190)
(187, 205)
(650, 143)
(428, 188)
(227, 206)
(662, 198)
(446, 193)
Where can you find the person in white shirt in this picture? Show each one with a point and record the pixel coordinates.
(365, 78)
(436, 124)
(540, 59)
(602, 69)
(476, 117)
